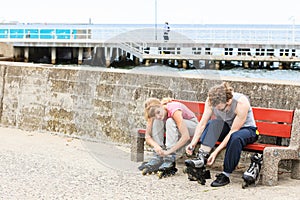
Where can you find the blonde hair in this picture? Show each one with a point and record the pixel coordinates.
(151, 104)
(166, 100)
(220, 94)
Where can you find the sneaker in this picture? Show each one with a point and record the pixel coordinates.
(221, 180)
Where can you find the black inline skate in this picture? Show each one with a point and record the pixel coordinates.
(251, 176)
(196, 168)
(168, 167)
(151, 166)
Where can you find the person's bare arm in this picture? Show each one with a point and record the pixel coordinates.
(149, 140)
(200, 127)
(183, 130)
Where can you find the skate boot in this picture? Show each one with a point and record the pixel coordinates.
(196, 168)
(168, 167)
(151, 166)
(251, 176)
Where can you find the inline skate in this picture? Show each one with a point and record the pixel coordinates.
(151, 166)
(196, 168)
(251, 176)
(167, 168)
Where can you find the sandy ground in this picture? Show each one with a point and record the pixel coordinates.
(43, 166)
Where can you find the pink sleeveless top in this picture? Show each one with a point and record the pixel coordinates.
(174, 106)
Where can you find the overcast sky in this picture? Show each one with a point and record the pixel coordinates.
(143, 11)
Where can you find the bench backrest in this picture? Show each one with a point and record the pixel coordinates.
(269, 121)
(274, 122)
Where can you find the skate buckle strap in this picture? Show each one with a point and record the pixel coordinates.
(257, 132)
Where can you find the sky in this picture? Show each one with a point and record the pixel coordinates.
(145, 11)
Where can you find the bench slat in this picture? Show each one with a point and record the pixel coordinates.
(259, 146)
(256, 146)
(273, 115)
(142, 131)
(277, 130)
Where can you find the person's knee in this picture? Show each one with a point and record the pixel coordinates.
(235, 140)
(216, 123)
(170, 123)
(158, 123)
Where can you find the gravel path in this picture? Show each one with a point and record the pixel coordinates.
(44, 166)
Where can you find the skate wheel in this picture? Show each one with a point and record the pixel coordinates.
(160, 174)
(145, 171)
(202, 182)
(244, 185)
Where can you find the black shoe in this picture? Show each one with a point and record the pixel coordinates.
(221, 180)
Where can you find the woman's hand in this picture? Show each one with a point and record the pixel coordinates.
(159, 150)
(165, 153)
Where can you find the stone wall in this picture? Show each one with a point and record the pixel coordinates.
(98, 102)
(6, 50)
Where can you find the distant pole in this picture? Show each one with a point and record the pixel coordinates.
(293, 29)
(155, 19)
(292, 18)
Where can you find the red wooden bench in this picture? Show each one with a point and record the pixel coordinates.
(277, 123)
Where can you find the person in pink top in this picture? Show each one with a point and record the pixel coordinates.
(177, 122)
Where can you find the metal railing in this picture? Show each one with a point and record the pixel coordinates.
(286, 35)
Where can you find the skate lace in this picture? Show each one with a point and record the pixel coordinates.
(256, 161)
(202, 157)
(219, 176)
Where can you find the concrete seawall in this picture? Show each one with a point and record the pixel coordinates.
(6, 52)
(95, 103)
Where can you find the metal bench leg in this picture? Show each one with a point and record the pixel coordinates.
(295, 169)
(137, 148)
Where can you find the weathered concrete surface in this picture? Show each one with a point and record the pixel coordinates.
(38, 165)
(6, 50)
(99, 102)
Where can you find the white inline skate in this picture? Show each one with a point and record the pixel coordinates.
(251, 176)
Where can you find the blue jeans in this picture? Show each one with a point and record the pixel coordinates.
(216, 130)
